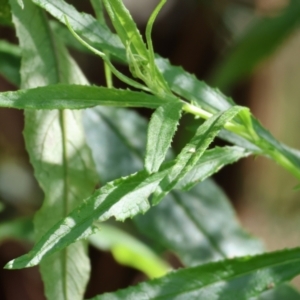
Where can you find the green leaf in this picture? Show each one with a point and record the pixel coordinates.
(126, 28)
(182, 83)
(68, 39)
(211, 162)
(56, 146)
(193, 150)
(140, 59)
(239, 278)
(70, 96)
(257, 43)
(99, 35)
(129, 251)
(188, 87)
(162, 127)
(10, 62)
(120, 136)
(99, 11)
(122, 198)
(199, 226)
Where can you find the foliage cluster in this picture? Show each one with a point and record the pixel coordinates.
(71, 149)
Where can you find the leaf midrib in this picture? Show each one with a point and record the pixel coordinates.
(227, 278)
(62, 122)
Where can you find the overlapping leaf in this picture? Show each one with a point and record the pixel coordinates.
(56, 146)
(122, 198)
(188, 87)
(240, 278)
(199, 226)
(119, 135)
(98, 34)
(70, 96)
(162, 127)
(180, 82)
(193, 151)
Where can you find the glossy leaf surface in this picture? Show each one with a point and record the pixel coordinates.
(56, 146)
(193, 150)
(120, 136)
(198, 226)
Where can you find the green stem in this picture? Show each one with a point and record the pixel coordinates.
(118, 74)
(250, 136)
(231, 126)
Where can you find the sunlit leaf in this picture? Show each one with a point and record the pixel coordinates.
(193, 150)
(211, 162)
(122, 198)
(188, 87)
(283, 291)
(85, 25)
(57, 150)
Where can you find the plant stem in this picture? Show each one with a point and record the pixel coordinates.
(231, 126)
(249, 135)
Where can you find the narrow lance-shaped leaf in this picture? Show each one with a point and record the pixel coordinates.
(211, 162)
(192, 152)
(190, 88)
(182, 83)
(56, 146)
(140, 58)
(70, 96)
(240, 278)
(162, 127)
(84, 24)
(125, 27)
(122, 198)
(175, 223)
